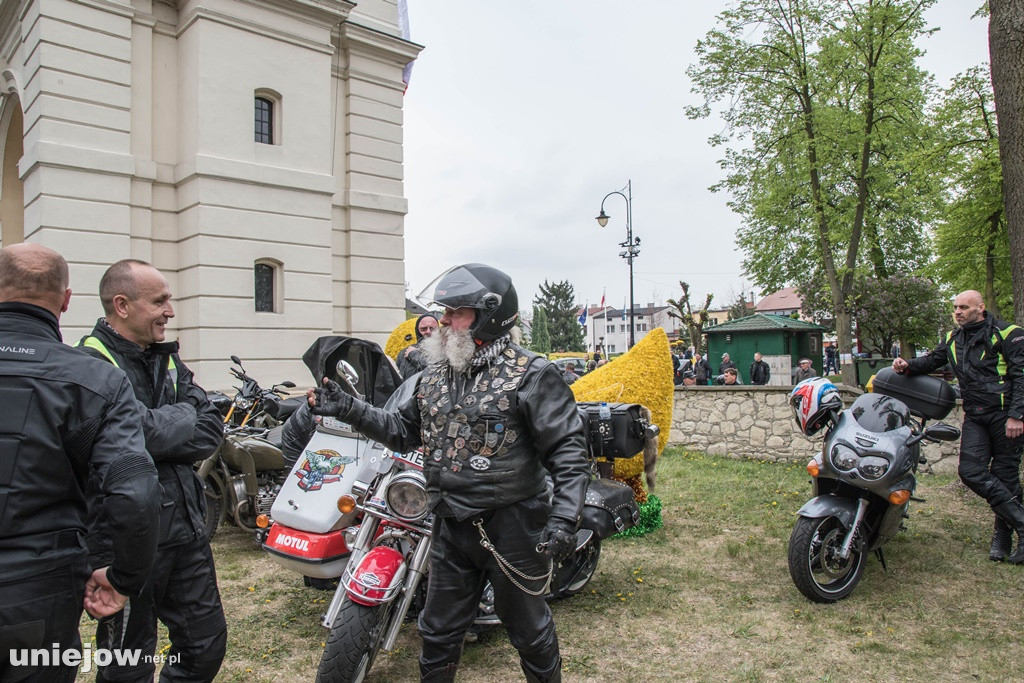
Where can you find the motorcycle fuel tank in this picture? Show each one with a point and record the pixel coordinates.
(326, 469)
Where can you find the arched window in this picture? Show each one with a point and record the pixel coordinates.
(267, 280)
(267, 117)
(12, 199)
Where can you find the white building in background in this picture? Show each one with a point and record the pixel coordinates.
(609, 327)
(250, 149)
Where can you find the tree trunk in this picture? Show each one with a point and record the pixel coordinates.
(844, 336)
(991, 303)
(1006, 53)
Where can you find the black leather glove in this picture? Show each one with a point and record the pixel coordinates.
(332, 400)
(560, 539)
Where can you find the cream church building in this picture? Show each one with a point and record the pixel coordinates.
(249, 149)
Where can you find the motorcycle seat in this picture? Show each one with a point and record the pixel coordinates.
(281, 410)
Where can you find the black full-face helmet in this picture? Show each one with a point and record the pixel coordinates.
(486, 289)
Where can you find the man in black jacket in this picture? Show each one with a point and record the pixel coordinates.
(760, 373)
(493, 419)
(64, 415)
(987, 356)
(181, 427)
(726, 364)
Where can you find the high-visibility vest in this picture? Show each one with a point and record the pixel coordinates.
(95, 343)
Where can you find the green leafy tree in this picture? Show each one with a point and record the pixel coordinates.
(971, 239)
(740, 308)
(694, 322)
(1005, 37)
(911, 310)
(541, 341)
(824, 112)
(558, 301)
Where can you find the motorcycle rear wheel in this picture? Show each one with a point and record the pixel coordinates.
(214, 506)
(573, 575)
(814, 565)
(353, 643)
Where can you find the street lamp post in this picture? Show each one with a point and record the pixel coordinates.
(631, 246)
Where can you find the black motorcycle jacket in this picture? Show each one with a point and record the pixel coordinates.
(988, 360)
(181, 427)
(490, 434)
(66, 417)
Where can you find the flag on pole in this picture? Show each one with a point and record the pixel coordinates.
(583, 316)
(623, 308)
(602, 299)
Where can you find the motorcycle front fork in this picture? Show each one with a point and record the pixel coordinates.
(862, 508)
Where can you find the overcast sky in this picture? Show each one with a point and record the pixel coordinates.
(520, 117)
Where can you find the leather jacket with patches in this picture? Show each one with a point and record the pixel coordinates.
(988, 360)
(181, 427)
(66, 417)
(489, 435)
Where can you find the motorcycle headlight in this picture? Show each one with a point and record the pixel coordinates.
(242, 403)
(407, 496)
(844, 458)
(873, 467)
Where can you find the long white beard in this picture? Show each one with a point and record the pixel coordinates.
(446, 344)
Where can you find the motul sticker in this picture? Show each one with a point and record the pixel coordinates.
(292, 542)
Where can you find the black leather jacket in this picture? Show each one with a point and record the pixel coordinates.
(552, 437)
(988, 359)
(181, 427)
(64, 417)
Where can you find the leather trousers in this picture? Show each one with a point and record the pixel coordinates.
(459, 569)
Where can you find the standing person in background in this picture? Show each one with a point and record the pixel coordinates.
(831, 362)
(412, 360)
(760, 373)
(726, 364)
(701, 370)
(987, 356)
(181, 427)
(64, 417)
(804, 371)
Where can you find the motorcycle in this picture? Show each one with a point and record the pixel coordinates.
(243, 476)
(357, 511)
(864, 477)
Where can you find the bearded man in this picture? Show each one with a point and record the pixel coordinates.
(493, 420)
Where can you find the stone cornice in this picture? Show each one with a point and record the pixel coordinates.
(368, 41)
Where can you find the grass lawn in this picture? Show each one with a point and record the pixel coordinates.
(707, 598)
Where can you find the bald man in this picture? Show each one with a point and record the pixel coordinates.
(987, 356)
(65, 417)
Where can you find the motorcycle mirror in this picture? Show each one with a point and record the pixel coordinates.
(345, 369)
(287, 384)
(235, 360)
(940, 431)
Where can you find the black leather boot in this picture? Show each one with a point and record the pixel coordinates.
(443, 674)
(1013, 512)
(1002, 538)
(550, 675)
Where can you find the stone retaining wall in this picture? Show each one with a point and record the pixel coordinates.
(756, 422)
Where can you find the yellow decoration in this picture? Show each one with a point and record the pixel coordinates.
(642, 375)
(403, 337)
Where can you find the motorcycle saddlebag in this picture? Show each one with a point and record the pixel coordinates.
(621, 436)
(926, 396)
(609, 508)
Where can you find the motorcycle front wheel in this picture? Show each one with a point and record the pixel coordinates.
(353, 643)
(814, 563)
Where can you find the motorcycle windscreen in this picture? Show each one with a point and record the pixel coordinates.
(879, 413)
(323, 473)
(377, 377)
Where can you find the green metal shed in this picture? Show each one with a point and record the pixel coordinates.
(781, 340)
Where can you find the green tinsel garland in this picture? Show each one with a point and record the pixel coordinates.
(650, 519)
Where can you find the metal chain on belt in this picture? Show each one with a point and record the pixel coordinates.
(505, 565)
